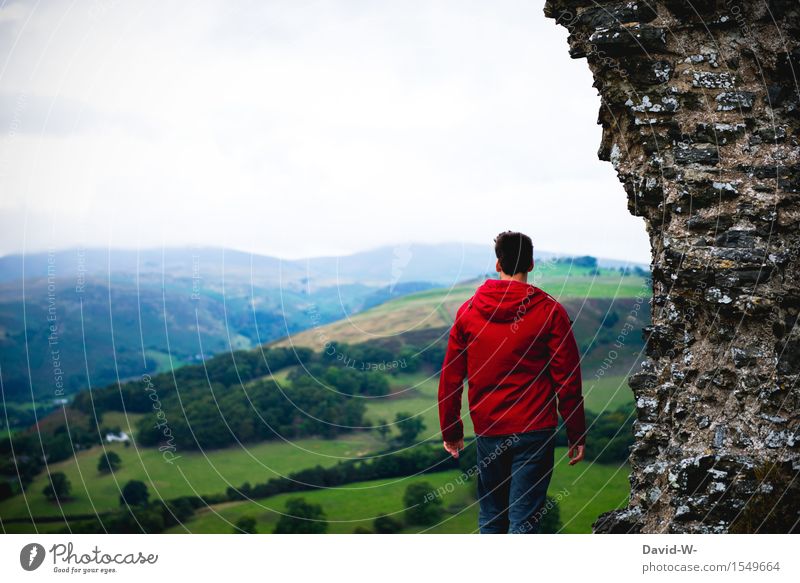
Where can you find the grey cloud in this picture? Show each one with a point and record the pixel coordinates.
(21, 113)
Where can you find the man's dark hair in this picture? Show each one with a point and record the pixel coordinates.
(515, 252)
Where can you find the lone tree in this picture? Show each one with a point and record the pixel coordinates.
(300, 517)
(387, 525)
(134, 494)
(245, 525)
(383, 429)
(58, 488)
(409, 426)
(109, 462)
(423, 507)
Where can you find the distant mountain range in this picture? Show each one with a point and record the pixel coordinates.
(79, 318)
(442, 264)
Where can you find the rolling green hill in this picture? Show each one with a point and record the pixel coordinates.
(601, 303)
(410, 330)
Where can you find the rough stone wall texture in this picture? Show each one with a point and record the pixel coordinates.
(700, 113)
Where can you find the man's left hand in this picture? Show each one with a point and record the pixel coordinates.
(453, 447)
(576, 453)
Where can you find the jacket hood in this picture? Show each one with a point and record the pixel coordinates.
(505, 300)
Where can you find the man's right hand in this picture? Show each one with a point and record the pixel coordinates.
(453, 447)
(576, 453)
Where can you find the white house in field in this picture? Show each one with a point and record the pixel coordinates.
(120, 437)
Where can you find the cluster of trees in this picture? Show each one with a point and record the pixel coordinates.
(224, 399)
(59, 488)
(239, 405)
(343, 379)
(390, 356)
(594, 269)
(610, 435)
(18, 415)
(224, 370)
(408, 425)
(582, 261)
(263, 410)
(301, 517)
(150, 517)
(23, 455)
(638, 271)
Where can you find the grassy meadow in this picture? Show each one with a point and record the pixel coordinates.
(587, 489)
(195, 473)
(599, 487)
(584, 492)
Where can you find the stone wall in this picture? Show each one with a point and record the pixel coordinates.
(700, 113)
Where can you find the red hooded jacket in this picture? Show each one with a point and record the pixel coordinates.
(514, 344)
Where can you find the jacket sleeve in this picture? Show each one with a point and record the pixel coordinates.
(451, 384)
(565, 370)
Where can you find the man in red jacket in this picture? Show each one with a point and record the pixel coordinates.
(514, 345)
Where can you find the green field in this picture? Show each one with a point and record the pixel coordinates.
(590, 488)
(585, 492)
(213, 471)
(346, 508)
(417, 394)
(200, 473)
(591, 287)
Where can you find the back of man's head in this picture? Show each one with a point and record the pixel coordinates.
(514, 251)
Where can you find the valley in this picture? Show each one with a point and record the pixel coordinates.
(312, 415)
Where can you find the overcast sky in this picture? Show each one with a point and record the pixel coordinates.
(300, 128)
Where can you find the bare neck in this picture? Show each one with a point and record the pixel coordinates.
(520, 277)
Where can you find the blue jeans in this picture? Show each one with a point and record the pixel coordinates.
(513, 475)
